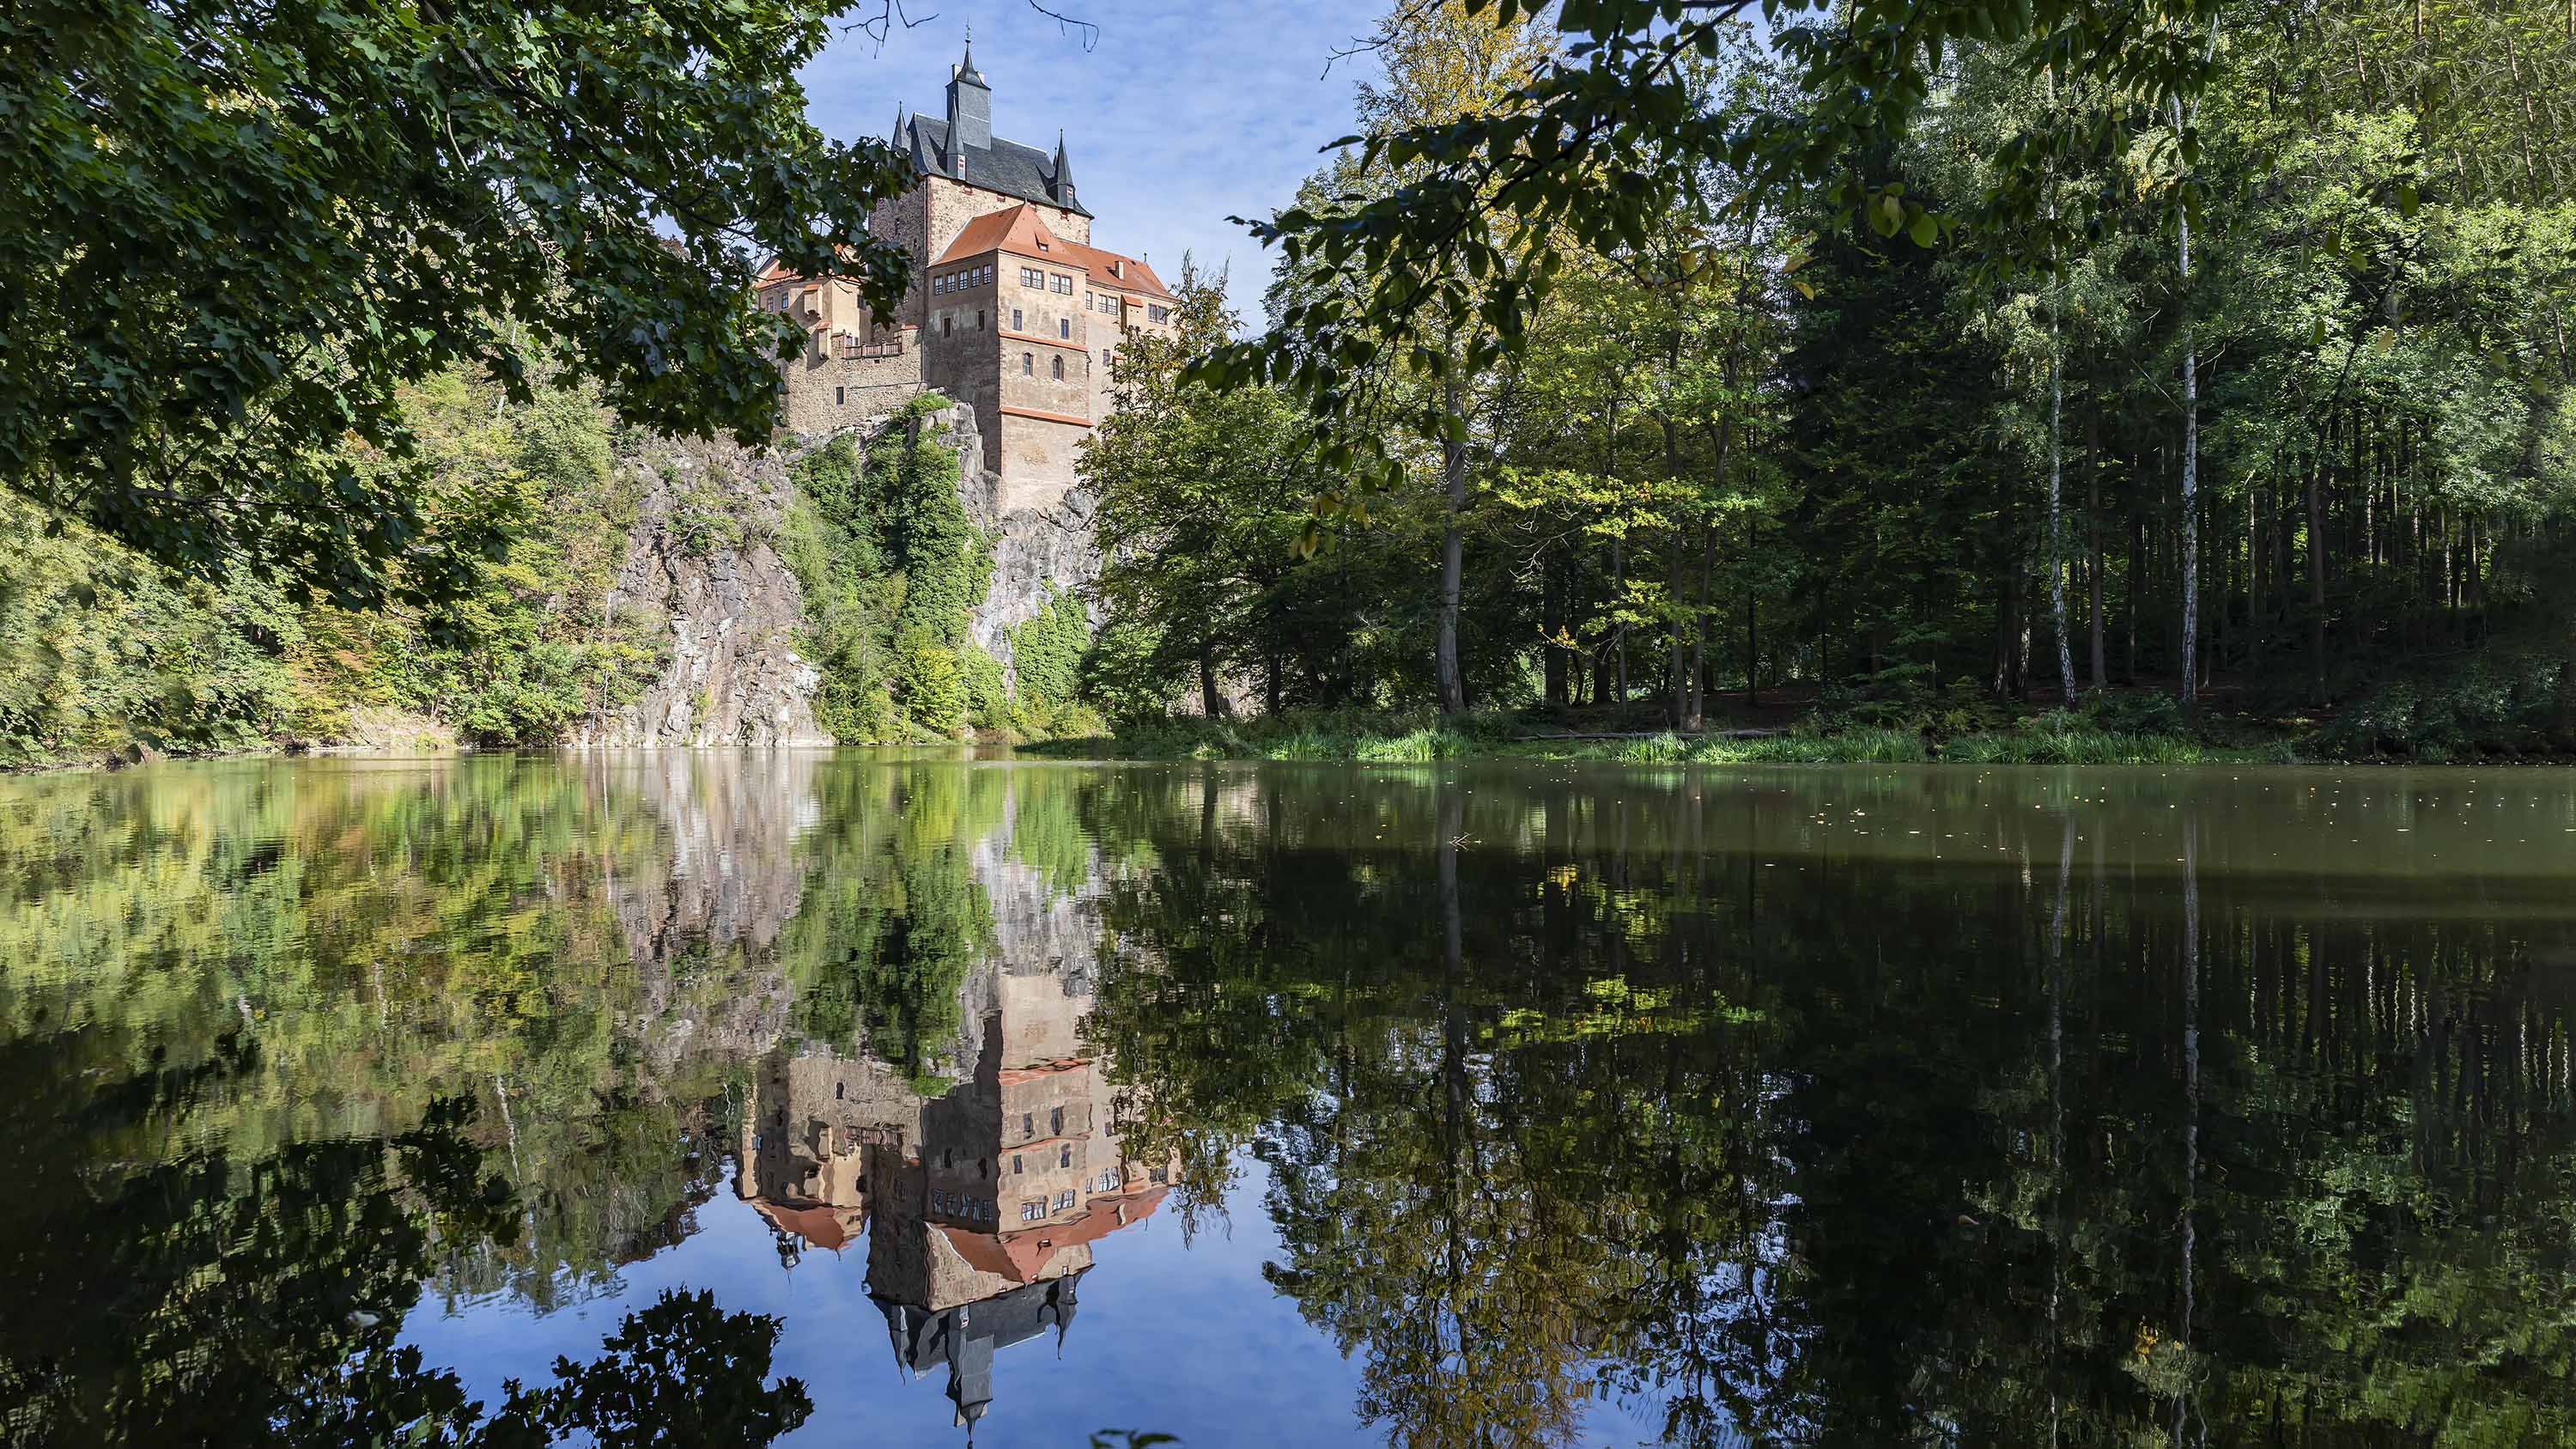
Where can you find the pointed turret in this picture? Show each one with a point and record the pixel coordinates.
(1063, 183)
(970, 109)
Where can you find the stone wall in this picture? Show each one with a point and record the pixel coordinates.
(1039, 548)
(825, 392)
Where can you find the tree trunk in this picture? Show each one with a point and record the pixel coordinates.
(1211, 699)
(1677, 684)
(1453, 471)
(1753, 645)
(2190, 461)
(2056, 465)
(2093, 535)
(2317, 578)
(1552, 623)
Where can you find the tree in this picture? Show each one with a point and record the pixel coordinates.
(1599, 139)
(1202, 495)
(236, 232)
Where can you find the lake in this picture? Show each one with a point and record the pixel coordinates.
(1285, 1105)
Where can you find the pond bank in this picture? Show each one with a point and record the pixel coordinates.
(1397, 738)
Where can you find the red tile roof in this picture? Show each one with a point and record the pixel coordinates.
(1021, 1255)
(1020, 232)
(822, 1225)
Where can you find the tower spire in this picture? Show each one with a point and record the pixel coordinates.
(1063, 172)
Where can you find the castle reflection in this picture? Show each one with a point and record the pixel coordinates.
(978, 1204)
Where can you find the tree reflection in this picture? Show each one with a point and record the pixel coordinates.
(1615, 1092)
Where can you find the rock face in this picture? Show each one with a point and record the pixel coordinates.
(1036, 551)
(702, 915)
(701, 552)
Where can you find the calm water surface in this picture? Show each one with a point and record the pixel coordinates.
(1285, 1105)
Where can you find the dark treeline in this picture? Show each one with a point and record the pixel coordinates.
(2280, 413)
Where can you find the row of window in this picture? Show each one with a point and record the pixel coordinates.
(1063, 1158)
(1157, 313)
(958, 1205)
(1036, 1207)
(1029, 366)
(1055, 1117)
(959, 281)
(1046, 281)
(1106, 1182)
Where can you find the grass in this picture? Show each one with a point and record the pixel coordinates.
(2050, 739)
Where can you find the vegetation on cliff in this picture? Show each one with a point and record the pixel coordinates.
(107, 649)
(892, 568)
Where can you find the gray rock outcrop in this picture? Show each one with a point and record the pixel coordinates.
(701, 551)
(1037, 552)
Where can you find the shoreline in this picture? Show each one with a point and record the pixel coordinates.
(2049, 739)
(1420, 738)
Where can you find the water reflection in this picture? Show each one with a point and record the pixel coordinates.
(1880, 1106)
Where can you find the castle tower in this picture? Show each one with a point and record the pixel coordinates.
(1012, 311)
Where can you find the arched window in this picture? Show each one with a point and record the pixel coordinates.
(1058, 365)
(1028, 365)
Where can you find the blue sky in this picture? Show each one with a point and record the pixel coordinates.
(1180, 116)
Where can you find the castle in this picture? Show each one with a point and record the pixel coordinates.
(979, 1207)
(1012, 312)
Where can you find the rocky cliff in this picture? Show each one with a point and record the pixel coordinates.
(701, 553)
(1036, 551)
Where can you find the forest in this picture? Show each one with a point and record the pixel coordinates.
(2253, 412)
(2054, 383)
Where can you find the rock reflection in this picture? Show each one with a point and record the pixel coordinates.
(977, 1204)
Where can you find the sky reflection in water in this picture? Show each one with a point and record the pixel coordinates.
(1288, 1105)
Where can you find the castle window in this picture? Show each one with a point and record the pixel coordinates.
(979, 319)
(1028, 1122)
(1032, 1211)
(1058, 365)
(1064, 284)
(1055, 1123)
(1032, 277)
(1016, 1169)
(1157, 314)
(1064, 1201)
(1064, 327)
(947, 325)
(840, 395)
(1016, 324)
(939, 283)
(1028, 365)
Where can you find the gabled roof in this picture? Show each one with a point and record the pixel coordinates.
(1023, 1254)
(1006, 166)
(1020, 232)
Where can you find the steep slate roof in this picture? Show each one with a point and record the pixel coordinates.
(1006, 166)
(1020, 232)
